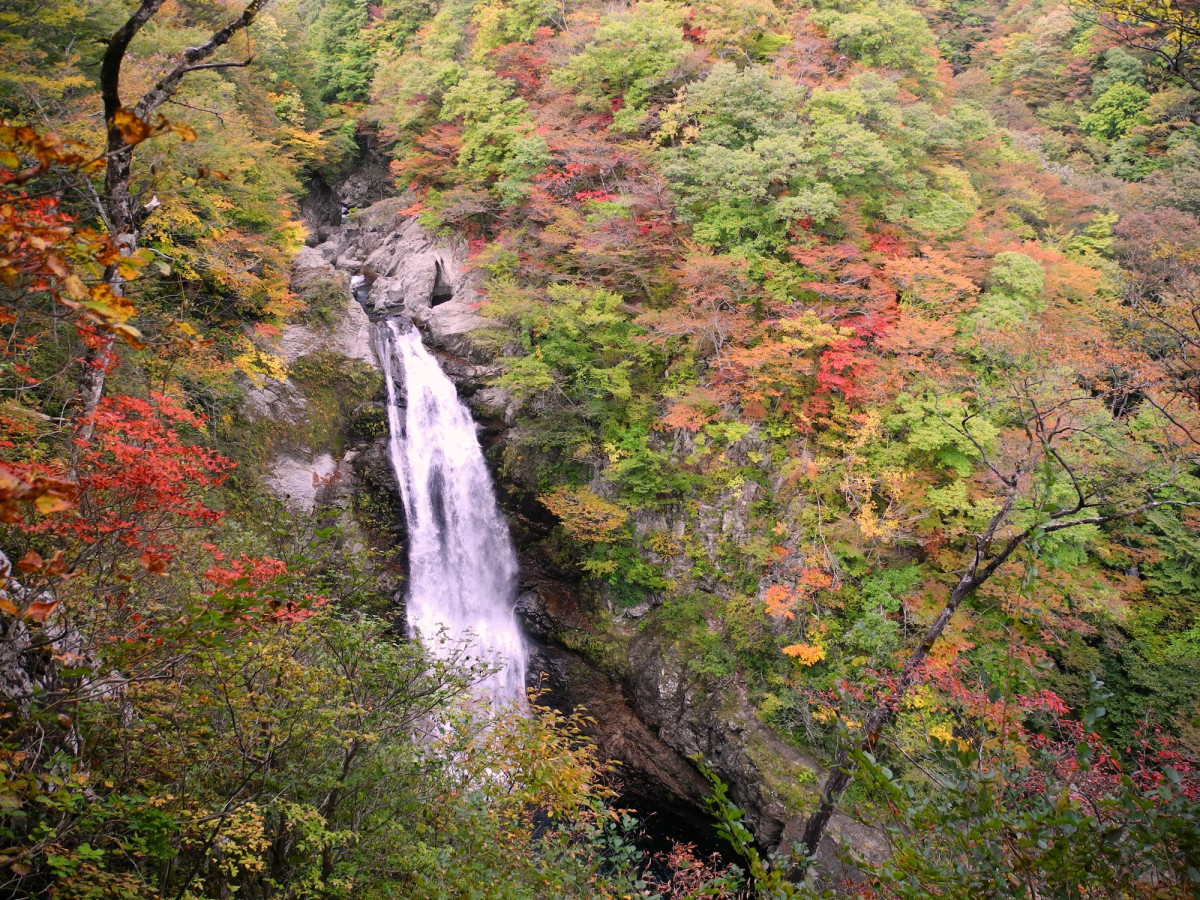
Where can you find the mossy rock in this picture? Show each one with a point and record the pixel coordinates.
(334, 387)
(368, 421)
(324, 301)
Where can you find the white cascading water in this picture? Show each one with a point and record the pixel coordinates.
(462, 567)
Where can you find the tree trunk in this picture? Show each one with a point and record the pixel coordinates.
(978, 571)
(125, 219)
(125, 230)
(90, 388)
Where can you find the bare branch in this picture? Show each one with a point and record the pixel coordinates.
(221, 65)
(189, 61)
(204, 109)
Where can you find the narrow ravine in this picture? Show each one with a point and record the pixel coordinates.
(650, 720)
(462, 566)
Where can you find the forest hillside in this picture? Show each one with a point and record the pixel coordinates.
(837, 367)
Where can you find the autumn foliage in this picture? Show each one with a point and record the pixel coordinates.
(848, 359)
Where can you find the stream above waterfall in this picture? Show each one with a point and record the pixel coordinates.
(462, 566)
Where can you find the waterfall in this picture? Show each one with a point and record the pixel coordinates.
(462, 567)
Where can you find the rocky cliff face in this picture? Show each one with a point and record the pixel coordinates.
(397, 267)
(650, 712)
(301, 473)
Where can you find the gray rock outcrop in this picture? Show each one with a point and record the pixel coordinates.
(274, 400)
(351, 333)
(406, 269)
(651, 773)
(718, 724)
(307, 477)
(299, 478)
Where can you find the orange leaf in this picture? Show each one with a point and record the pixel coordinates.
(30, 562)
(39, 611)
(56, 265)
(779, 601)
(133, 130)
(57, 564)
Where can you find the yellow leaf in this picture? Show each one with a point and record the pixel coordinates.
(130, 336)
(75, 286)
(584, 514)
(805, 654)
(49, 503)
(109, 305)
(185, 132)
(9, 160)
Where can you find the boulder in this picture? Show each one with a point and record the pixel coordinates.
(299, 479)
(351, 336)
(273, 400)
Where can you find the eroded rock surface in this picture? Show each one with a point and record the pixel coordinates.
(349, 336)
(302, 476)
(718, 724)
(299, 479)
(275, 400)
(406, 269)
(651, 773)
